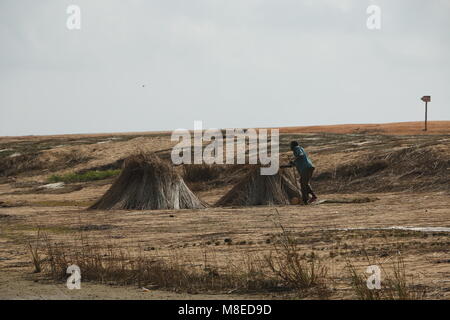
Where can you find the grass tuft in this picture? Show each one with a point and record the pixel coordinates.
(395, 284)
(295, 269)
(35, 256)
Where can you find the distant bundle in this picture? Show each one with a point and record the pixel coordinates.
(145, 183)
(256, 189)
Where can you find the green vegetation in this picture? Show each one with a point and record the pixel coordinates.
(83, 177)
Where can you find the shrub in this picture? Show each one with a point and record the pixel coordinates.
(201, 172)
(394, 284)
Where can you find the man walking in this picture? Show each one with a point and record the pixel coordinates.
(306, 169)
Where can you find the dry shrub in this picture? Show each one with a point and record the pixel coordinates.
(412, 168)
(201, 177)
(295, 269)
(147, 182)
(117, 164)
(201, 172)
(394, 283)
(364, 168)
(21, 163)
(32, 161)
(34, 252)
(72, 158)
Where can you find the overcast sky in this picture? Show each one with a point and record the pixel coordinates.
(143, 65)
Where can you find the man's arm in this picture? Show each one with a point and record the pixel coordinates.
(298, 153)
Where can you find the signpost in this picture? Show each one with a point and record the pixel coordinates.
(426, 99)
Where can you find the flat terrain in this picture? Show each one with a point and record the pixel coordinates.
(397, 128)
(384, 192)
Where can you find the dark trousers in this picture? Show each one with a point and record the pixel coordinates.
(305, 177)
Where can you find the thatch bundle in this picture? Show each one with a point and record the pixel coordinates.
(147, 182)
(256, 189)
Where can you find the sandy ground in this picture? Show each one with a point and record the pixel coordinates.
(195, 234)
(336, 232)
(397, 128)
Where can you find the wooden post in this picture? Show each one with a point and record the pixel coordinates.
(426, 99)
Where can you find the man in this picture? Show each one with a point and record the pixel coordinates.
(306, 169)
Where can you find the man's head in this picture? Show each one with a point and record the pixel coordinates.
(294, 144)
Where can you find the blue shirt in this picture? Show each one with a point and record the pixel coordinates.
(302, 160)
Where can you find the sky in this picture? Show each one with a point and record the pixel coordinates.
(145, 65)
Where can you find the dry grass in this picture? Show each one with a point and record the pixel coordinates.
(31, 161)
(106, 263)
(203, 177)
(395, 284)
(286, 270)
(201, 172)
(35, 256)
(21, 163)
(283, 270)
(297, 270)
(84, 177)
(414, 168)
